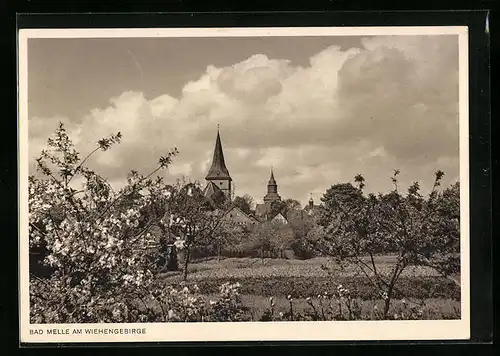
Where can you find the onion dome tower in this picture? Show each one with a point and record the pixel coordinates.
(272, 190)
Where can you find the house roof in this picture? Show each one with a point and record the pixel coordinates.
(235, 208)
(277, 216)
(210, 189)
(218, 170)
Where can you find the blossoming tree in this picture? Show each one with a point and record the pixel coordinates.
(420, 231)
(89, 236)
(194, 220)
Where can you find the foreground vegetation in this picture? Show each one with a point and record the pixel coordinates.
(97, 255)
(422, 293)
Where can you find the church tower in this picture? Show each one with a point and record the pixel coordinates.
(311, 202)
(272, 190)
(218, 174)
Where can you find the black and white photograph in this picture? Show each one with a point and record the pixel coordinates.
(239, 184)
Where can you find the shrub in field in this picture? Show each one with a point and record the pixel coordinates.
(228, 307)
(303, 250)
(342, 305)
(413, 287)
(176, 304)
(185, 303)
(261, 238)
(339, 305)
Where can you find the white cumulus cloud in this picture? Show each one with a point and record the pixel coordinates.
(391, 104)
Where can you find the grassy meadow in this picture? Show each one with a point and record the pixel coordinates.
(435, 296)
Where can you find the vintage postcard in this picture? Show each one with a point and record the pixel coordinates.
(239, 184)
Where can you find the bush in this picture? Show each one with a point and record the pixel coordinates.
(341, 304)
(302, 250)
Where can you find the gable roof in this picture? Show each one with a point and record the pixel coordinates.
(277, 216)
(210, 189)
(235, 208)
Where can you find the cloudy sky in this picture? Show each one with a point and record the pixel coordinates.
(317, 109)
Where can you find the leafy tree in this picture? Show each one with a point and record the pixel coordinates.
(193, 220)
(244, 203)
(442, 253)
(421, 231)
(283, 207)
(154, 214)
(261, 237)
(229, 235)
(291, 204)
(282, 238)
(220, 200)
(316, 234)
(301, 223)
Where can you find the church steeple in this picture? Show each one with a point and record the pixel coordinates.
(218, 170)
(272, 181)
(218, 177)
(272, 190)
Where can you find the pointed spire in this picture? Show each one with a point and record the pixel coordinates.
(218, 170)
(272, 181)
(272, 189)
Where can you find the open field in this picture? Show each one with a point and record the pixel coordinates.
(255, 267)
(301, 279)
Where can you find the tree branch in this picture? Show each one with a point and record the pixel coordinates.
(82, 162)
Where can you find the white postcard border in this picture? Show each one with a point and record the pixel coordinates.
(244, 331)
